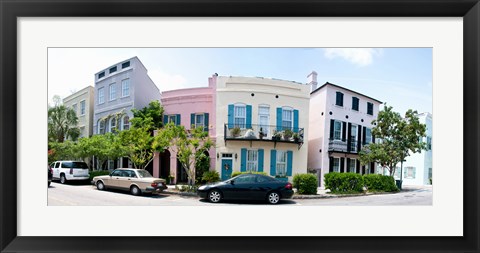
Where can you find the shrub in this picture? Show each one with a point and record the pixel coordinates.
(344, 182)
(210, 176)
(98, 173)
(236, 173)
(186, 188)
(305, 183)
(380, 183)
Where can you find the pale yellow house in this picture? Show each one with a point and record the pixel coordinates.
(82, 103)
(261, 126)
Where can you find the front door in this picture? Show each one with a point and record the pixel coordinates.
(226, 168)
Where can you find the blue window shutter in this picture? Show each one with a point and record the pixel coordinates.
(230, 116)
(273, 162)
(260, 160)
(279, 118)
(248, 123)
(295, 121)
(205, 120)
(192, 120)
(243, 158)
(165, 119)
(178, 120)
(289, 163)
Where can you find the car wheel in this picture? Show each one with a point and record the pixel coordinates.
(63, 179)
(214, 196)
(135, 191)
(273, 198)
(100, 186)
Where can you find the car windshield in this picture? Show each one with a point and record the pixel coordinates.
(143, 173)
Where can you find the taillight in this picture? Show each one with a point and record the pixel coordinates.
(154, 184)
(71, 171)
(288, 186)
(51, 171)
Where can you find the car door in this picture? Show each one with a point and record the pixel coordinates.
(56, 170)
(243, 186)
(124, 181)
(114, 178)
(262, 186)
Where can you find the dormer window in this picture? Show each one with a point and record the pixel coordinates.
(113, 69)
(101, 75)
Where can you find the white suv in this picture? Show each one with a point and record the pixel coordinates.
(69, 170)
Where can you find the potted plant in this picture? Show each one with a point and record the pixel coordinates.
(296, 137)
(276, 135)
(170, 179)
(261, 134)
(235, 131)
(287, 134)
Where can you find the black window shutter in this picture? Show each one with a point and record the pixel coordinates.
(358, 166)
(342, 164)
(349, 134)
(332, 125)
(364, 137)
(344, 128)
(359, 138)
(348, 165)
(363, 170)
(373, 138)
(330, 165)
(372, 168)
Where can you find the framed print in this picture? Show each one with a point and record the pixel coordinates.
(32, 30)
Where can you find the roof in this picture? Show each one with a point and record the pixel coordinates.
(338, 86)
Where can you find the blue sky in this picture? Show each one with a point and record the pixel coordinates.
(401, 77)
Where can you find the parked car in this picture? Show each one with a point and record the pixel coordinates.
(50, 174)
(247, 187)
(69, 170)
(137, 181)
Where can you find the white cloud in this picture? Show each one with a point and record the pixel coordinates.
(358, 56)
(166, 81)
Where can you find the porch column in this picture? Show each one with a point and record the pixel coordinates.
(156, 164)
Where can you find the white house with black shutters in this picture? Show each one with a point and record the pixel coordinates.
(340, 125)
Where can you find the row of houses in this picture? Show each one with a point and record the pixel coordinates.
(257, 124)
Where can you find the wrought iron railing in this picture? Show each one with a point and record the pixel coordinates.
(347, 145)
(263, 133)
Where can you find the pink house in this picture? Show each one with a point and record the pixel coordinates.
(187, 107)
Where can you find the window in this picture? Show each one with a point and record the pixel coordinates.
(337, 130)
(100, 75)
(336, 164)
(264, 118)
(287, 118)
(126, 123)
(117, 173)
(172, 118)
(112, 69)
(113, 92)
(113, 125)
(101, 127)
(353, 138)
(409, 172)
(369, 108)
(239, 115)
(367, 169)
(82, 107)
(355, 103)
(352, 165)
(368, 136)
(101, 98)
(125, 88)
(245, 179)
(429, 143)
(74, 108)
(252, 160)
(199, 120)
(126, 64)
(339, 99)
(281, 163)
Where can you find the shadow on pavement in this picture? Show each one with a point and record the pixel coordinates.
(252, 202)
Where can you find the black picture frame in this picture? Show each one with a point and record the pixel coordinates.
(10, 10)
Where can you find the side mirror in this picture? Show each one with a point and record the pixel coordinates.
(232, 181)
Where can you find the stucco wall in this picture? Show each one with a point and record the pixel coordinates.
(85, 121)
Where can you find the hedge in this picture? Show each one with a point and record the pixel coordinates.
(210, 177)
(380, 183)
(98, 173)
(344, 182)
(305, 183)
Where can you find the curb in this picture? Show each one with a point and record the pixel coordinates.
(185, 194)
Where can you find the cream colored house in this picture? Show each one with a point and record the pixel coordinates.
(261, 126)
(82, 103)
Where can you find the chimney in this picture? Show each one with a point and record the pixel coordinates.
(312, 80)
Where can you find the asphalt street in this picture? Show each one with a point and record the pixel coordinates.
(77, 194)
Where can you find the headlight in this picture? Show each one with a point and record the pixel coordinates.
(203, 187)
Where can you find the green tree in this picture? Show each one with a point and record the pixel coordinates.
(62, 124)
(137, 143)
(397, 138)
(150, 117)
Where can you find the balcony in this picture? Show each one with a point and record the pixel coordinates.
(343, 146)
(263, 133)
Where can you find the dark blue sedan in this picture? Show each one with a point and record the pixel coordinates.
(247, 187)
